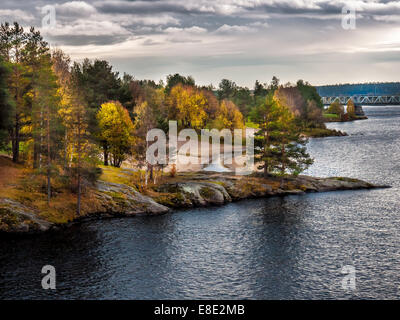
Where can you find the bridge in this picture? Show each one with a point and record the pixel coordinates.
(384, 93)
(363, 99)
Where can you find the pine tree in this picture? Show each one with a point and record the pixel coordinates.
(289, 143)
(6, 106)
(46, 122)
(279, 145)
(79, 138)
(23, 52)
(12, 42)
(36, 59)
(266, 115)
(81, 149)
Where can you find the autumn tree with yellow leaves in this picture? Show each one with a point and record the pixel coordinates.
(351, 109)
(228, 116)
(116, 130)
(187, 106)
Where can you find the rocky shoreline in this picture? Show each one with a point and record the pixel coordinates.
(347, 120)
(323, 133)
(185, 191)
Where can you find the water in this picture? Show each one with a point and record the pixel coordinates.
(278, 248)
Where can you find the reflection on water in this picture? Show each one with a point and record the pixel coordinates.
(292, 247)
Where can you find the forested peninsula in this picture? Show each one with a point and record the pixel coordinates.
(73, 138)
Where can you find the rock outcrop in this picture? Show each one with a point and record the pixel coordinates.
(191, 190)
(17, 218)
(189, 194)
(359, 111)
(112, 200)
(220, 188)
(120, 199)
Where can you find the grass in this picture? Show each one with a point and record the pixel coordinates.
(114, 175)
(220, 183)
(346, 179)
(331, 116)
(24, 186)
(10, 173)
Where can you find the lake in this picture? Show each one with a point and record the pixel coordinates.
(277, 248)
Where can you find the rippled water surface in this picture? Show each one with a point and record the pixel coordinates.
(278, 248)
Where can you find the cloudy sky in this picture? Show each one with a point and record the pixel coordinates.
(242, 40)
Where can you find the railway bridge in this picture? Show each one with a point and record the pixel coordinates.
(363, 99)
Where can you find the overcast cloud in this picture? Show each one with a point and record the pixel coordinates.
(235, 39)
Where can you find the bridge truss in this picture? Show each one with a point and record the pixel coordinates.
(363, 100)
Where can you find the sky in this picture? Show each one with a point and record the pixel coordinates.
(235, 39)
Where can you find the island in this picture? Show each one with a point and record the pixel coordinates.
(337, 113)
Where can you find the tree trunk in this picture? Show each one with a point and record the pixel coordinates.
(283, 167)
(146, 175)
(48, 158)
(265, 169)
(266, 147)
(13, 144)
(36, 153)
(155, 177)
(15, 137)
(105, 154)
(35, 156)
(151, 172)
(15, 140)
(66, 150)
(78, 205)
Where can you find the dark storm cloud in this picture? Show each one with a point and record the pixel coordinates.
(290, 8)
(224, 38)
(146, 7)
(83, 40)
(218, 8)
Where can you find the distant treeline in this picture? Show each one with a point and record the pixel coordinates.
(384, 88)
